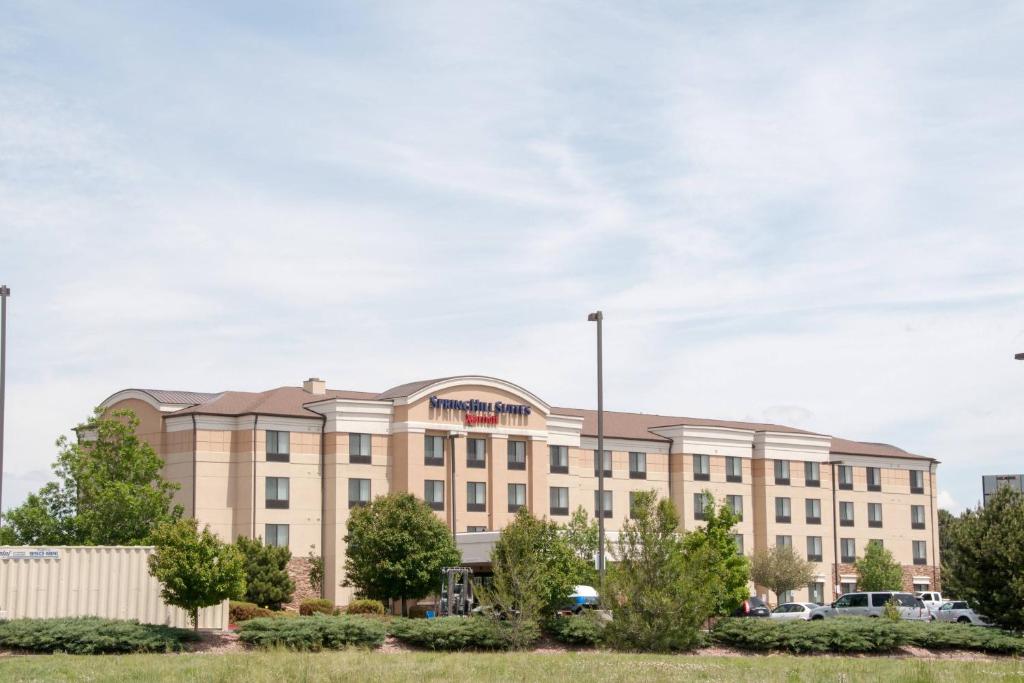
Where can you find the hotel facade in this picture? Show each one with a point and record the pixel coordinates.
(289, 464)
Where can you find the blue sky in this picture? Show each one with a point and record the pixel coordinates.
(807, 213)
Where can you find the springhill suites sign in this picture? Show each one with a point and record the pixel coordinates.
(480, 412)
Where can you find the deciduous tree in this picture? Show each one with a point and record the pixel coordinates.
(396, 549)
(109, 490)
(780, 569)
(195, 568)
(728, 570)
(877, 570)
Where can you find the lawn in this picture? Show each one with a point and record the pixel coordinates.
(276, 667)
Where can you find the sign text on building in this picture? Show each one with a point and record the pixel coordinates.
(480, 412)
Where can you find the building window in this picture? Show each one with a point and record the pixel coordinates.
(738, 540)
(920, 552)
(277, 492)
(476, 453)
(516, 496)
(607, 507)
(733, 469)
(845, 514)
(813, 508)
(475, 529)
(920, 587)
(278, 446)
(476, 496)
(812, 474)
(606, 464)
(433, 493)
(846, 477)
(701, 467)
(875, 515)
(276, 535)
(917, 516)
(847, 550)
(735, 504)
(517, 455)
(559, 500)
(782, 472)
(784, 541)
(847, 587)
(874, 479)
(785, 596)
(559, 459)
(359, 448)
(637, 465)
(814, 548)
(433, 450)
(816, 592)
(358, 492)
(916, 481)
(783, 513)
(700, 502)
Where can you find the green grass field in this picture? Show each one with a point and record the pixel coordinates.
(276, 667)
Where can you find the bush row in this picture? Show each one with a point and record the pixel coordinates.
(91, 635)
(463, 633)
(317, 632)
(860, 635)
(582, 629)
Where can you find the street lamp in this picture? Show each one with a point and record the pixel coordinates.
(835, 532)
(5, 292)
(598, 317)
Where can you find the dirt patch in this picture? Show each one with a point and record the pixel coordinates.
(216, 643)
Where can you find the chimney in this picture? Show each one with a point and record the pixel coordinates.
(315, 386)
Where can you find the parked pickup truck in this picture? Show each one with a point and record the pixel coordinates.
(933, 600)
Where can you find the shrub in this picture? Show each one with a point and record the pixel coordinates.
(267, 582)
(316, 606)
(365, 607)
(458, 633)
(91, 635)
(315, 633)
(244, 611)
(583, 629)
(859, 635)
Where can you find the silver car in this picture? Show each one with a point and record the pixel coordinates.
(959, 612)
(807, 611)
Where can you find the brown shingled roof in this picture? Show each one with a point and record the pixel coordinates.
(638, 425)
(291, 402)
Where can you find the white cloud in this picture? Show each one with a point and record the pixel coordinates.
(947, 502)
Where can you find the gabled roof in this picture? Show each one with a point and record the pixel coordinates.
(638, 425)
(282, 401)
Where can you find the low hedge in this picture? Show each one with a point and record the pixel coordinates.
(92, 635)
(365, 606)
(582, 629)
(859, 635)
(317, 632)
(316, 606)
(239, 611)
(463, 633)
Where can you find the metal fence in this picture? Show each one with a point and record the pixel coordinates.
(102, 581)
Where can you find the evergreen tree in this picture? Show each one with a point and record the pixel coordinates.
(267, 582)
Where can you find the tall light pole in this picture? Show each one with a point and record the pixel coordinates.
(452, 435)
(5, 292)
(598, 317)
(835, 533)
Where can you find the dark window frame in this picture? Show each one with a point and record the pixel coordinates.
(844, 486)
(729, 476)
(610, 458)
(360, 458)
(780, 517)
(434, 504)
(513, 456)
(701, 476)
(473, 506)
(275, 455)
(277, 503)
(607, 513)
(916, 489)
(558, 469)
(514, 507)
(357, 502)
(433, 460)
(476, 463)
(816, 482)
(782, 480)
(874, 487)
(637, 473)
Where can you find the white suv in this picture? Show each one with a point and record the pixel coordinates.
(873, 605)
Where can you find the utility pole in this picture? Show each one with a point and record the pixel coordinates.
(5, 292)
(598, 317)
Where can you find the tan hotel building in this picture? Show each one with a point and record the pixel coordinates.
(289, 463)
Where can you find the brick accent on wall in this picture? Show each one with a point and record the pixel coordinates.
(909, 572)
(298, 570)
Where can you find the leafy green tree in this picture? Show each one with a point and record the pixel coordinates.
(985, 557)
(780, 569)
(535, 557)
(316, 570)
(877, 570)
(582, 535)
(109, 490)
(653, 589)
(267, 582)
(729, 570)
(946, 551)
(195, 568)
(396, 549)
